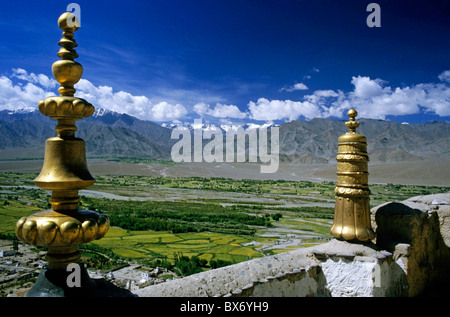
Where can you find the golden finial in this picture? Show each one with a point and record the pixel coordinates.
(64, 172)
(352, 210)
(352, 124)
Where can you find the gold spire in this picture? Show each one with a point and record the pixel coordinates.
(66, 71)
(64, 171)
(66, 108)
(352, 209)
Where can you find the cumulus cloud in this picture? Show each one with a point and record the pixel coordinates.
(375, 101)
(219, 111)
(40, 79)
(30, 88)
(20, 96)
(297, 86)
(319, 97)
(124, 102)
(319, 104)
(266, 110)
(445, 76)
(371, 97)
(163, 111)
(366, 87)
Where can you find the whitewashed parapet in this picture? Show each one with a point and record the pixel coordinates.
(231, 279)
(336, 268)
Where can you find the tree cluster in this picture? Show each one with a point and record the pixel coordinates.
(177, 216)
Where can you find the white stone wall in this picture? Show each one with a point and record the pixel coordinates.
(349, 279)
(336, 268)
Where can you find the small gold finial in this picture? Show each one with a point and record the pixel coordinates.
(67, 72)
(66, 108)
(352, 124)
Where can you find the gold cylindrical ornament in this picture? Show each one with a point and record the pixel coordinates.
(352, 207)
(64, 172)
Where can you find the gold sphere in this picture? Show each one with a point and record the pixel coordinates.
(67, 72)
(352, 113)
(68, 22)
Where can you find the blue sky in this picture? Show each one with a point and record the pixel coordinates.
(237, 60)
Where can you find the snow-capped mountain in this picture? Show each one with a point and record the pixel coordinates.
(99, 112)
(8, 115)
(224, 128)
(21, 111)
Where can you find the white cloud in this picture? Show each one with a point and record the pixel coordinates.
(297, 86)
(434, 97)
(374, 101)
(40, 79)
(300, 86)
(201, 108)
(445, 76)
(219, 111)
(370, 97)
(124, 102)
(163, 111)
(32, 88)
(319, 97)
(265, 109)
(366, 87)
(19, 96)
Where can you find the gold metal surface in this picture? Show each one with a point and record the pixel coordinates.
(352, 208)
(64, 172)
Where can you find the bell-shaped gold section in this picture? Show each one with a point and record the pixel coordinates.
(64, 165)
(352, 208)
(64, 172)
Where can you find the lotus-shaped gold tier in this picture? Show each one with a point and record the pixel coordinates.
(59, 107)
(53, 229)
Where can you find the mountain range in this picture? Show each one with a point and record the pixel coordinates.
(110, 134)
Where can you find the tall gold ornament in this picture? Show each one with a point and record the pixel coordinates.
(352, 209)
(64, 227)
